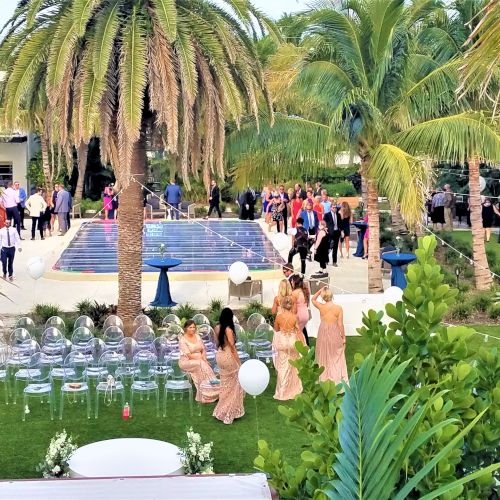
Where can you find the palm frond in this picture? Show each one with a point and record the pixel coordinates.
(105, 34)
(33, 8)
(81, 13)
(166, 14)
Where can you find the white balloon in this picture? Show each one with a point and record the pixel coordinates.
(292, 231)
(393, 295)
(238, 272)
(253, 377)
(36, 267)
(281, 241)
(482, 183)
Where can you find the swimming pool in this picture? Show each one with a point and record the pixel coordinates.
(94, 247)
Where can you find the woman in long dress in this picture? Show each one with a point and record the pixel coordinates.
(231, 395)
(287, 332)
(330, 345)
(284, 290)
(322, 249)
(193, 360)
(300, 297)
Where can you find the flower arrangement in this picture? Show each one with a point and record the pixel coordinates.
(196, 457)
(398, 244)
(60, 449)
(162, 249)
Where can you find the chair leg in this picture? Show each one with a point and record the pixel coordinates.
(88, 403)
(157, 402)
(51, 405)
(131, 403)
(165, 394)
(96, 404)
(61, 406)
(25, 403)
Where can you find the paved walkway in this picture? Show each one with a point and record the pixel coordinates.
(349, 277)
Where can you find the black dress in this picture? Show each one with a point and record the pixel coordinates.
(488, 215)
(322, 251)
(345, 226)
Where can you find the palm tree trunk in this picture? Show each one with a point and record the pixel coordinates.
(482, 272)
(398, 224)
(374, 266)
(47, 175)
(130, 232)
(364, 190)
(83, 153)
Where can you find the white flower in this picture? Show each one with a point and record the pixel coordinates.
(26, 409)
(56, 469)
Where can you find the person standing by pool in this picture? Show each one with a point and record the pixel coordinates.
(10, 201)
(173, 197)
(107, 201)
(231, 395)
(300, 245)
(62, 208)
(193, 360)
(21, 193)
(330, 345)
(36, 206)
(53, 206)
(214, 200)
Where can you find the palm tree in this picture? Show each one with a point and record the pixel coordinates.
(127, 71)
(358, 83)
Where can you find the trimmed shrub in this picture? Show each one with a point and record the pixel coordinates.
(461, 310)
(340, 189)
(494, 311)
(42, 312)
(185, 311)
(481, 301)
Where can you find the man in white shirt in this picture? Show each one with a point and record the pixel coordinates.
(10, 200)
(9, 242)
(36, 206)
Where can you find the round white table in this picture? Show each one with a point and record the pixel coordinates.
(130, 457)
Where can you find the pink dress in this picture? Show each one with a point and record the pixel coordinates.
(367, 233)
(231, 395)
(199, 370)
(288, 383)
(330, 352)
(302, 311)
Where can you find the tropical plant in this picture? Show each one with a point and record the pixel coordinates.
(131, 72)
(95, 311)
(441, 357)
(42, 312)
(185, 311)
(358, 82)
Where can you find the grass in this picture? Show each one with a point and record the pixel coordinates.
(466, 237)
(23, 444)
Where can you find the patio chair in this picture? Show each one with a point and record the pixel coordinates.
(38, 383)
(57, 322)
(318, 284)
(109, 383)
(75, 382)
(200, 319)
(83, 321)
(112, 320)
(254, 321)
(19, 361)
(96, 347)
(28, 324)
(51, 339)
(162, 350)
(76, 210)
(81, 337)
(144, 336)
(260, 343)
(112, 337)
(4, 379)
(144, 381)
(169, 319)
(127, 349)
(177, 382)
(207, 334)
(246, 290)
(141, 320)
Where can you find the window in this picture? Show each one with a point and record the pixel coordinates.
(6, 173)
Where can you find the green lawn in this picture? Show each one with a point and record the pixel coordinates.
(466, 237)
(23, 444)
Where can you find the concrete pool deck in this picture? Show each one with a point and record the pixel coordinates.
(67, 289)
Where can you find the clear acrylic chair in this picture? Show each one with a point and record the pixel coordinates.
(254, 321)
(142, 320)
(4, 379)
(261, 338)
(18, 337)
(162, 350)
(83, 322)
(200, 319)
(144, 381)
(75, 384)
(177, 383)
(29, 325)
(207, 334)
(144, 336)
(109, 383)
(112, 320)
(127, 349)
(81, 337)
(96, 348)
(112, 336)
(51, 338)
(38, 383)
(169, 319)
(241, 338)
(57, 322)
(19, 361)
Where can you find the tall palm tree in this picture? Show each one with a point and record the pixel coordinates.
(126, 71)
(357, 82)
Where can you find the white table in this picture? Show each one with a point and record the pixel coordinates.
(130, 457)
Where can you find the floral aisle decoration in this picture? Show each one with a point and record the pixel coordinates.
(196, 457)
(59, 452)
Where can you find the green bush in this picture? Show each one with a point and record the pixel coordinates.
(461, 310)
(340, 189)
(156, 314)
(481, 301)
(451, 257)
(491, 255)
(214, 309)
(185, 311)
(494, 311)
(88, 204)
(42, 312)
(95, 311)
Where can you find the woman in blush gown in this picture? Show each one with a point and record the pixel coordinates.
(284, 290)
(287, 332)
(300, 297)
(330, 346)
(193, 360)
(231, 395)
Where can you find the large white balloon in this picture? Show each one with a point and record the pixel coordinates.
(482, 183)
(393, 295)
(281, 241)
(238, 272)
(292, 231)
(36, 267)
(253, 377)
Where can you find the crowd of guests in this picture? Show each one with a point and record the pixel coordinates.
(291, 309)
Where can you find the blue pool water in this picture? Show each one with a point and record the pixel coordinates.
(93, 249)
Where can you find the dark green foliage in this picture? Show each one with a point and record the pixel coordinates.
(214, 309)
(185, 311)
(256, 307)
(96, 312)
(42, 312)
(494, 311)
(340, 189)
(156, 314)
(481, 301)
(461, 310)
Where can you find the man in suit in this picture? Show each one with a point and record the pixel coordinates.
(300, 192)
(311, 224)
(9, 242)
(173, 196)
(300, 246)
(317, 189)
(62, 208)
(332, 220)
(21, 193)
(286, 200)
(214, 200)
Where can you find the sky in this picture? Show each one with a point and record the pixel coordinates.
(273, 8)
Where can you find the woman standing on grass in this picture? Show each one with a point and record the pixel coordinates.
(193, 360)
(287, 332)
(330, 346)
(300, 297)
(231, 395)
